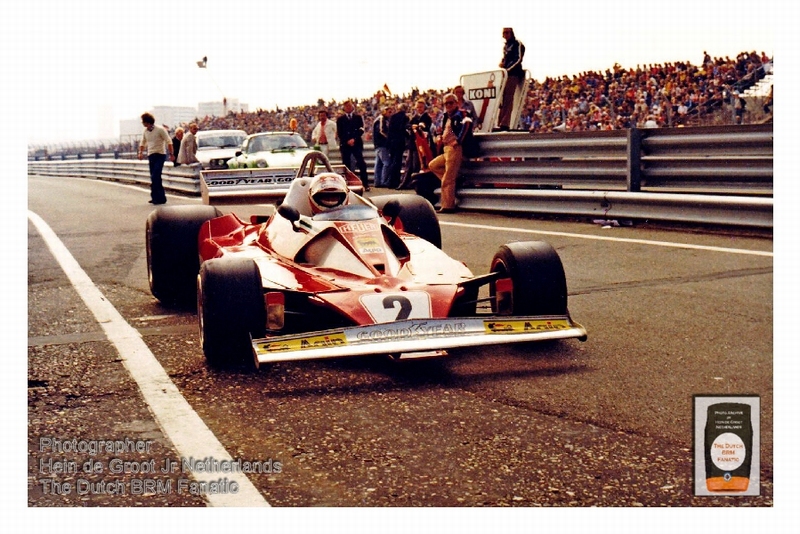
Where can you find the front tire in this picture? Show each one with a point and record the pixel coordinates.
(417, 216)
(230, 309)
(172, 254)
(537, 277)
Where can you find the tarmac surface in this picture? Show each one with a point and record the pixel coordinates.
(671, 313)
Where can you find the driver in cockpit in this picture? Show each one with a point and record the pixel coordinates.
(327, 191)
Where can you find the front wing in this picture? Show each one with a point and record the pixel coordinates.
(414, 336)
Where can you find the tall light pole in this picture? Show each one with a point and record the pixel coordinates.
(203, 64)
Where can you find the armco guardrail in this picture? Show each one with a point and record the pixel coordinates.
(718, 160)
(719, 175)
(183, 179)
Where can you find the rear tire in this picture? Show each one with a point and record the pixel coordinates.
(172, 254)
(417, 215)
(230, 309)
(537, 276)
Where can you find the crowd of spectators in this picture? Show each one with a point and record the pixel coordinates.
(670, 94)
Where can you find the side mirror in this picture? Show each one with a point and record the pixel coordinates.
(392, 209)
(238, 153)
(289, 213)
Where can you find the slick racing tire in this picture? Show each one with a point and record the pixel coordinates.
(172, 255)
(417, 216)
(230, 309)
(537, 277)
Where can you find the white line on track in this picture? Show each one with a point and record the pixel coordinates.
(182, 426)
(615, 239)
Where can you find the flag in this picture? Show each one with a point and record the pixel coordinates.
(386, 90)
(202, 62)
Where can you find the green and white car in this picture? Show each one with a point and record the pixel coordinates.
(270, 149)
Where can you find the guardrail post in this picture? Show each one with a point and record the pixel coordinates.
(634, 163)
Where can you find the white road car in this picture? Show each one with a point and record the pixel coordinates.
(216, 147)
(270, 149)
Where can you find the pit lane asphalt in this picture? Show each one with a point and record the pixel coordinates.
(607, 422)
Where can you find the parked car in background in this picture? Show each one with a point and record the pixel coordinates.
(216, 147)
(270, 149)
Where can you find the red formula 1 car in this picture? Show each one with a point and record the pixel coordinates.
(332, 274)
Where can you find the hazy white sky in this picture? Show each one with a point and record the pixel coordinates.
(87, 58)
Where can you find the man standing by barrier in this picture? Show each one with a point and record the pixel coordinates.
(447, 164)
(176, 144)
(157, 142)
(324, 135)
(513, 52)
(380, 139)
(420, 124)
(398, 138)
(188, 153)
(350, 128)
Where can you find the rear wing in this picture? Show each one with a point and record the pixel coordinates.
(269, 185)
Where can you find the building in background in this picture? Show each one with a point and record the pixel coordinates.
(172, 116)
(220, 109)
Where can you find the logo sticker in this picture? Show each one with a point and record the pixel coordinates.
(303, 343)
(520, 327)
(369, 245)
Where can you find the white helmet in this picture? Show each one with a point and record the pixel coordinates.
(327, 191)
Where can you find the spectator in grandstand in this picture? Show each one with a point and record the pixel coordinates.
(188, 153)
(176, 144)
(157, 142)
(513, 52)
(323, 137)
(350, 129)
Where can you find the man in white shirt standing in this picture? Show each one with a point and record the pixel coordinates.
(324, 134)
(157, 142)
